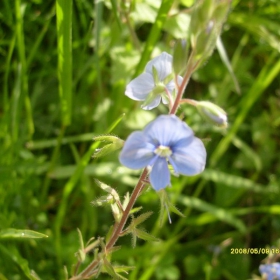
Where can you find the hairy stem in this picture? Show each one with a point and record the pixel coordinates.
(190, 69)
(118, 226)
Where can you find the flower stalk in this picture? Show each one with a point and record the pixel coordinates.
(92, 268)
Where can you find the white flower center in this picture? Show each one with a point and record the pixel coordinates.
(163, 151)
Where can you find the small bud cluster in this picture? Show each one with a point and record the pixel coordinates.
(206, 23)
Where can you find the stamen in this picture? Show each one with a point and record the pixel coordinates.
(163, 151)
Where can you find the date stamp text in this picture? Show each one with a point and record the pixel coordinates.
(236, 251)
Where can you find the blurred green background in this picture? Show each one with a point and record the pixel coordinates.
(64, 68)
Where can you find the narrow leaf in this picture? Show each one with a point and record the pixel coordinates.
(109, 269)
(108, 189)
(144, 235)
(175, 210)
(224, 57)
(20, 233)
(102, 200)
(219, 213)
(234, 181)
(64, 50)
(140, 219)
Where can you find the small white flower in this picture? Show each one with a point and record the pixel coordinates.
(154, 84)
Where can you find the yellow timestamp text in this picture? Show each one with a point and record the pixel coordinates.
(236, 251)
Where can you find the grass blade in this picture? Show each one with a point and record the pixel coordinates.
(266, 76)
(154, 34)
(64, 49)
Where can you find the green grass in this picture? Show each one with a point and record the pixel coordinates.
(64, 69)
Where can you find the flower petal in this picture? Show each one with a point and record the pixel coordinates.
(160, 175)
(167, 130)
(152, 104)
(171, 85)
(137, 152)
(163, 64)
(140, 87)
(189, 159)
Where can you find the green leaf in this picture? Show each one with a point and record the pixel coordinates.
(178, 25)
(123, 268)
(175, 210)
(261, 27)
(249, 152)
(144, 235)
(116, 144)
(234, 181)
(223, 54)
(109, 269)
(20, 234)
(140, 219)
(267, 74)
(138, 118)
(166, 205)
(135, 210)
(81, 255)
(154, 34)
(22, 263)
(220, 213)
(144, 13)
(64, 50)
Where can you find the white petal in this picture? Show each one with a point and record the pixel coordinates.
(152, 104)
(140, 87)
(163, 64)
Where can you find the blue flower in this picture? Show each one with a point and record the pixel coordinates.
(156, 83)
(270, 271)
(165, 140)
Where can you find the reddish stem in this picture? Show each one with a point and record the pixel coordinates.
(118, 227)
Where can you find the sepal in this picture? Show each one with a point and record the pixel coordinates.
(136, 232)
(212, 113)
(115, 143)
(81, 255)
(108, 189)
(112, 198)
(166, 205)
(113, 270)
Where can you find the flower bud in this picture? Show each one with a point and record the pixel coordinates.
(180, 56)
(200, 16)
(212, 113)
(206, 25)
(116, 143)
